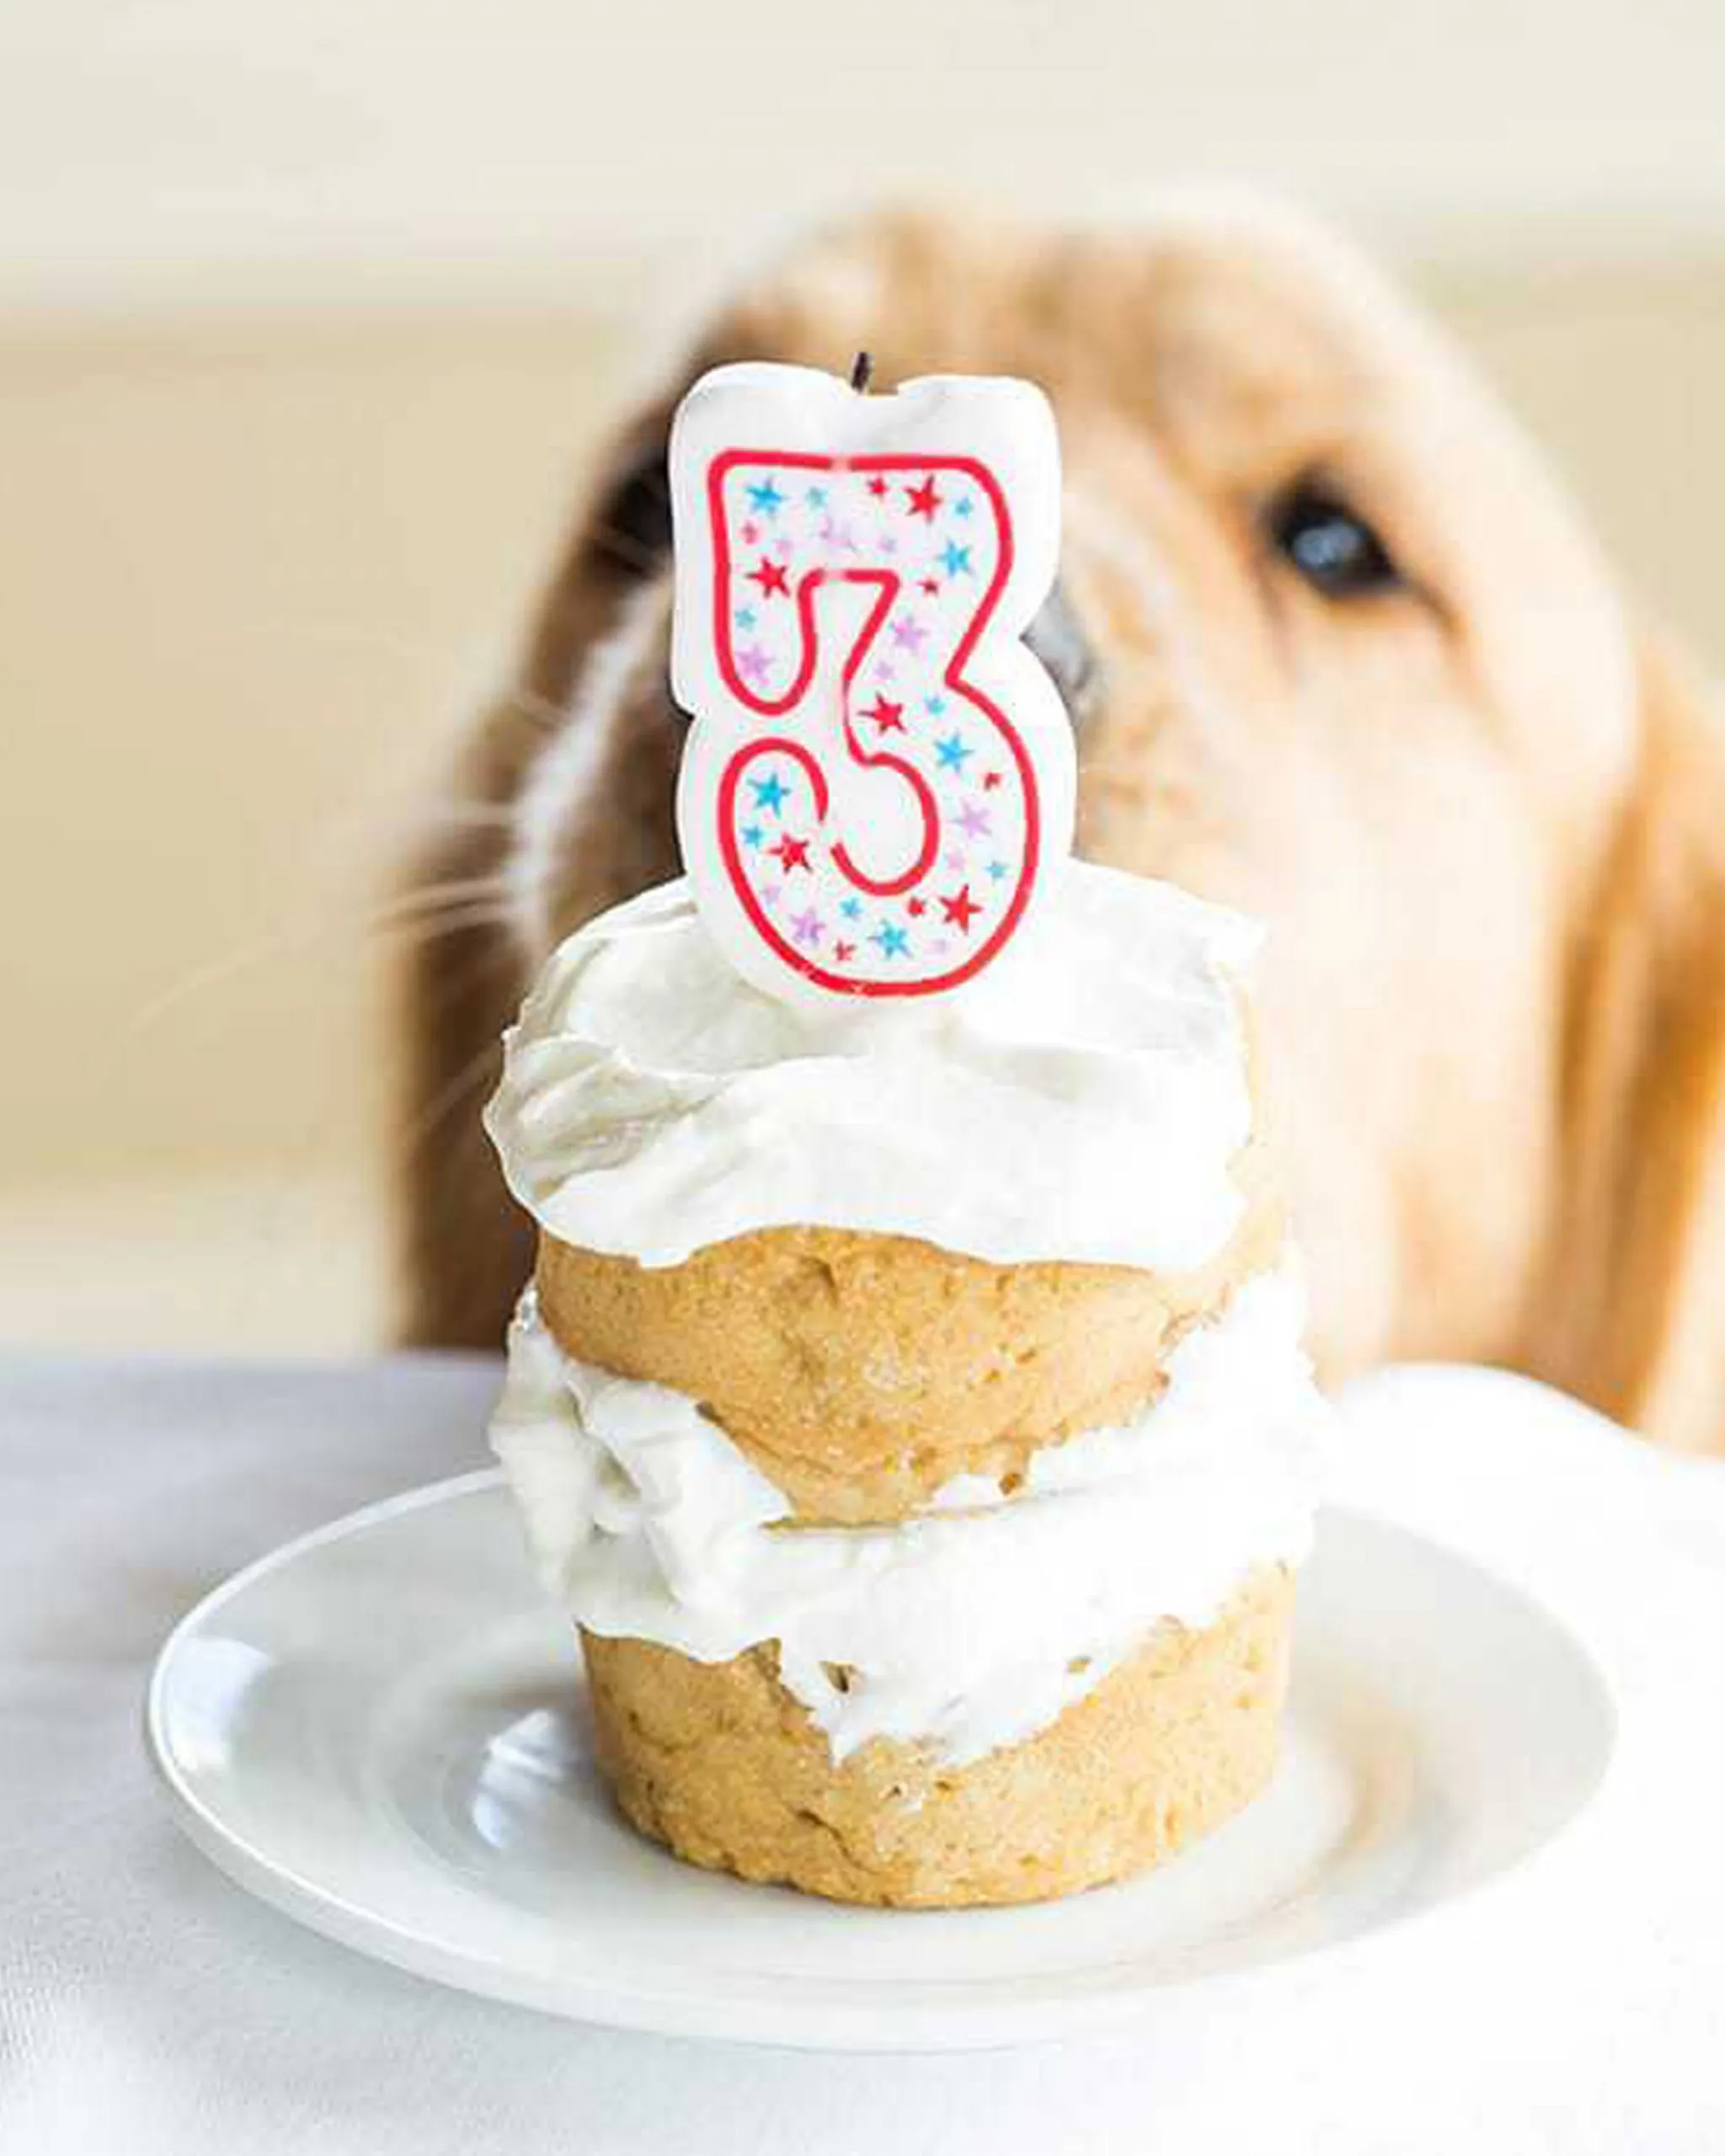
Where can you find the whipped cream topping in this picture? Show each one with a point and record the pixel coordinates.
(969, 1627)
(1082, 1099)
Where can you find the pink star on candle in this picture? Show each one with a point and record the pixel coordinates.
(973, 821)
(808, 927)
(769, 897)
(752, 532)
(753, 664)
(909, 634)
(955, 857)
(839, 537)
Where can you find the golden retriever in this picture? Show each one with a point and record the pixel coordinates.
(1339, 651)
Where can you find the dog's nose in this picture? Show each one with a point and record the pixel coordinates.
(1057, 637)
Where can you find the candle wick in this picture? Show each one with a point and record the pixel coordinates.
(862, 372)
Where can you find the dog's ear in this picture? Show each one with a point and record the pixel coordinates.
(1636, 1303)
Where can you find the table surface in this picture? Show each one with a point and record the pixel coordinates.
(147, 2005)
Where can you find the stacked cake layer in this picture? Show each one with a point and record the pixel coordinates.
(913, 1415)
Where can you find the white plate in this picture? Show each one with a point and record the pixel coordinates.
(379, 1729)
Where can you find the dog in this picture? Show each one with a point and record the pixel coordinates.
(1337, 651)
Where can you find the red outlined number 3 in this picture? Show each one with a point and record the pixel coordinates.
(875, 779)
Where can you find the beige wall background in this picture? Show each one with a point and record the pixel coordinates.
(308, 324)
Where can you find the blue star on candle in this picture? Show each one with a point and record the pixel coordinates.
(771, 793)
(816, 498)
(952, 752)
(765, 499)
(956, 560)
(893, 941)
(997, 869)
(745, 617)
(934, 706)
(752, 834)
(964, 506)
(852, 908)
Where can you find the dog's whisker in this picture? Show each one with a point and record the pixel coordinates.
(542, 712)
(389, 930)
(449, 1097)
(415, 934)
(433, 898)
(214, 972)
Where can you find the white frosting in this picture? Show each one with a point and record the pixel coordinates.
(975, 1624)
(1082, 1099)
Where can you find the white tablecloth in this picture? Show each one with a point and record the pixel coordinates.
(146, 2005)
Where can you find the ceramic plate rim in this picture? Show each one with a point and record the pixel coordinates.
(633, 2002)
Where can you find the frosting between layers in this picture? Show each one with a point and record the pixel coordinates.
(1081, 1100)
(969, 1627)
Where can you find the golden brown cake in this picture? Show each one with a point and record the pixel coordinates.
(719, 1762)
(915, 1421)
(862, 1372)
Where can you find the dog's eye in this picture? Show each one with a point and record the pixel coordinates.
(1057, 637)
(1331, 545)
(631, 528)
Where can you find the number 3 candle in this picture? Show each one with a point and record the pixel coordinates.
(879, 775)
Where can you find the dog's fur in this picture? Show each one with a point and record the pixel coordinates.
(1483, 811)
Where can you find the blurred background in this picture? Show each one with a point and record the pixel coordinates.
(309, 317)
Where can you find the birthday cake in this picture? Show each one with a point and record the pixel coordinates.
(909, 1409)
